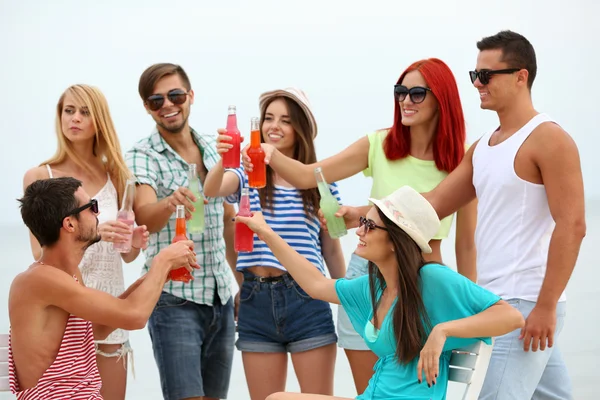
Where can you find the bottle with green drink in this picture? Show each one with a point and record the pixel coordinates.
(196, 223)
(329, 206)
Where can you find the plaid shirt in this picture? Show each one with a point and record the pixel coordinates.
(155, 163)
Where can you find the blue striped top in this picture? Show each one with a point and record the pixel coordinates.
(288, 219)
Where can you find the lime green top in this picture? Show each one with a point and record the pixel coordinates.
(421, 175)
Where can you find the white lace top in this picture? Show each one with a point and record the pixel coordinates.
(101, 266)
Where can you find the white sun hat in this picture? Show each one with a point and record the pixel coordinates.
(412, 213)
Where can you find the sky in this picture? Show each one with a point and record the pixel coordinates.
(346, 55)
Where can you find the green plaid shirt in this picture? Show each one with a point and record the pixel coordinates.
(155, 163)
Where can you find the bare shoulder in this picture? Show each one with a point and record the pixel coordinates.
(549, 138)
(34, 174)
(40, 282)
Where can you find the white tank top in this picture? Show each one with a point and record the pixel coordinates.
(101, 266)
(514, 224)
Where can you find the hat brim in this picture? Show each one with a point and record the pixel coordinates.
(418, 239)
(266, 96)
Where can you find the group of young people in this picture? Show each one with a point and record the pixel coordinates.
(517, 194)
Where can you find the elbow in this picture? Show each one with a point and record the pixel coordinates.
(575, 226)
(210, 191)
(136, 321)
(513, 317)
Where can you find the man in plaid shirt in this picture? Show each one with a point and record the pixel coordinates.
(192, 327)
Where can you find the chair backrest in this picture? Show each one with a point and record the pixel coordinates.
(469, 365)
(4, 362)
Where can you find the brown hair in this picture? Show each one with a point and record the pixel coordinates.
(304, 151)
(155, 73)
(410, 321)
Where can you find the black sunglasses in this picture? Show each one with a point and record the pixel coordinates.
(417, 94)
(485, 74)
(93, 205)
(369, 224)
(176, 96)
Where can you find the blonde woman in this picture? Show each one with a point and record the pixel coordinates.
(89, 150)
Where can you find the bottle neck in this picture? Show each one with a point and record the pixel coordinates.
(255, 139)
(231, 122)
(128, 196)
(180, 227)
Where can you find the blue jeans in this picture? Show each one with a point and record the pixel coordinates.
(277, 316)
(193, 347)
(514, 374)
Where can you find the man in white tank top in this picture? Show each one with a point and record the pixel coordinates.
(527, 178)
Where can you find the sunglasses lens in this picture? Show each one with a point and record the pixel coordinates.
(94, 206)
(417, 95)
(473, 76)
(400, 92)
(155, 102)
(177, 97)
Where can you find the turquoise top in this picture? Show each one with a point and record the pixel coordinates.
(447, 296)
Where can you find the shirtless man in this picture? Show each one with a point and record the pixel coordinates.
(54, 318)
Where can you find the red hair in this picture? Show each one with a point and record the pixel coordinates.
(450, 137)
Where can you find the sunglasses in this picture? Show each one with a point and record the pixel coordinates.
(93, 205)
(485, 74)
(417, 94)
(175, 96)
(369, 224)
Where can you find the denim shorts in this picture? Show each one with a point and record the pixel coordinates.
(193, 346)
(277, 316)
(349, 338)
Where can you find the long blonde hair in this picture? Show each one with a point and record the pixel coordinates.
(106, 143)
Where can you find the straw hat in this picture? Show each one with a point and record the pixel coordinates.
(298, 96)
(412, 213)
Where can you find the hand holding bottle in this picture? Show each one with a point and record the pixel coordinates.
(223, 141)
(269, 149)
(140, 237)
(184, 197)
(114, 231)
(256, 222)
(350, 214)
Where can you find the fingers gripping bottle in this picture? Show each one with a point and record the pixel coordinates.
(180, 274)
(329, 206)
(244, 237)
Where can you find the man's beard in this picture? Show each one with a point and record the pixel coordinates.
(174, 129)
(88, 242)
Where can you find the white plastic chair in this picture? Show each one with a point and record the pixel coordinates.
(469, 365)
(4, 362)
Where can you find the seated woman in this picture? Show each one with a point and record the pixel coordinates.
(410, 313)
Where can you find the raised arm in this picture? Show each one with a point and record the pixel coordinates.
(308, 277)
(456, 190)
(218, 182)
(55, 288)
(350, 161)
(333, 255)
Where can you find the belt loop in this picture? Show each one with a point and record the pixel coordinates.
(289, 281)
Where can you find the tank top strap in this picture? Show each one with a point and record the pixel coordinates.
(49, 170)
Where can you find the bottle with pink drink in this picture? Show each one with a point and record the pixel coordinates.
(231, 159)
(244, 237)
(126, 215)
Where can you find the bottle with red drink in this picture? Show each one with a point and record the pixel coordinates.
(231, 159)
(180, 274)
(257, 178)
(244, 237)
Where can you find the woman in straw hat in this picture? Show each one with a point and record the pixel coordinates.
(410, 312)
(276, 316)
(89, 150)
(425, 143)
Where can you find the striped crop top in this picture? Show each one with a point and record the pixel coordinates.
(288, 219)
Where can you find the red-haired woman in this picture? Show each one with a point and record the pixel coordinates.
(426, 142)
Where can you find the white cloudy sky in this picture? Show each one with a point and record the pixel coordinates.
(345, 54)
